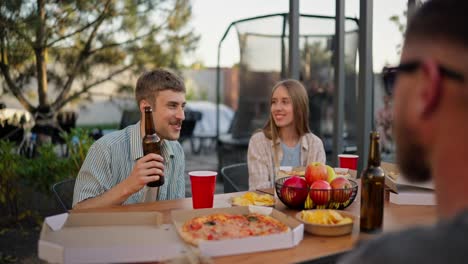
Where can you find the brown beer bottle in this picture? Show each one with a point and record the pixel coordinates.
(372, 189)
(151, 142)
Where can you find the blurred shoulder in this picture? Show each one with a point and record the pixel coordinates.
(442, 243)
(386, 247)
(259, 136)
(259, 140)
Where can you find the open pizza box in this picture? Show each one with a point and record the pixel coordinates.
(244, 245)
(395, 182)
(108, 238)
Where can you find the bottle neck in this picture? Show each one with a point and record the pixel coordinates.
(374, 152)
(149, 123)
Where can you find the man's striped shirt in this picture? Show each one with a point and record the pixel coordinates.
(111, 159)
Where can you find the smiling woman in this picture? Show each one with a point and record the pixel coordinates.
(285, 140)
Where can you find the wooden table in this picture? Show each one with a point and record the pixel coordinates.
(396, 217)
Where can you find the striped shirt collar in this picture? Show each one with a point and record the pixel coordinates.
(136, 147)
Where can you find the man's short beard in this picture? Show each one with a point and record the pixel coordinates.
(411, 158)
(413, 165)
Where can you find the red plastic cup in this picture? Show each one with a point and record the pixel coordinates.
(348, 161)
(203, 188)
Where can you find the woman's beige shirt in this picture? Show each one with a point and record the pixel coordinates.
(260, 157)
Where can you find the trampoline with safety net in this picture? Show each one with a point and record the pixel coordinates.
(263, 61)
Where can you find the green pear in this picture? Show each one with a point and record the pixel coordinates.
(331, 174)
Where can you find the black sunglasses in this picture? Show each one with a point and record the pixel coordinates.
(389, 74)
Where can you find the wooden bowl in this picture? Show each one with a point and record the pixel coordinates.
(329, 230)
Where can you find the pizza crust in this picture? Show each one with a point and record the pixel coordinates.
(188, 238)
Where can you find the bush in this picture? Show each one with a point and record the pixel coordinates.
(18, 172)
(9, 177)
(45, 169)
(78, 143)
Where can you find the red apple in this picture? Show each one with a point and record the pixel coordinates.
(294, 191)
(342, 189)
(316, 171)
(320, 192)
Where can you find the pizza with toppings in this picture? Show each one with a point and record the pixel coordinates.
(222, 226)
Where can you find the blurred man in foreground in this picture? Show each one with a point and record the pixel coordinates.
(431, 130)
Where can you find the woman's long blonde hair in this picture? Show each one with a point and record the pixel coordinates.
(300, 102)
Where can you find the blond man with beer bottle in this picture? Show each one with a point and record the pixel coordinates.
(116, 171)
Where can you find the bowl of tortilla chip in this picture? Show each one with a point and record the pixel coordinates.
(253, 198)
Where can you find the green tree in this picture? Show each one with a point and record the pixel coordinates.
(63, 49)
(400, 22)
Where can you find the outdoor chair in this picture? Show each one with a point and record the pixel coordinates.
(67, 120)
(231, 150)
(188, 125)
(63, 191)
(235, 178)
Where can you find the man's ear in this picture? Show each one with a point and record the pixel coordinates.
(143, 103)
(432, 90)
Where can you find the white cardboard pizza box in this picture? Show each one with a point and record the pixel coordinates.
(397, 182)
(108, 238)
(249, 244)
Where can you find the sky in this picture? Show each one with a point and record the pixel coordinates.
(211, 18)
